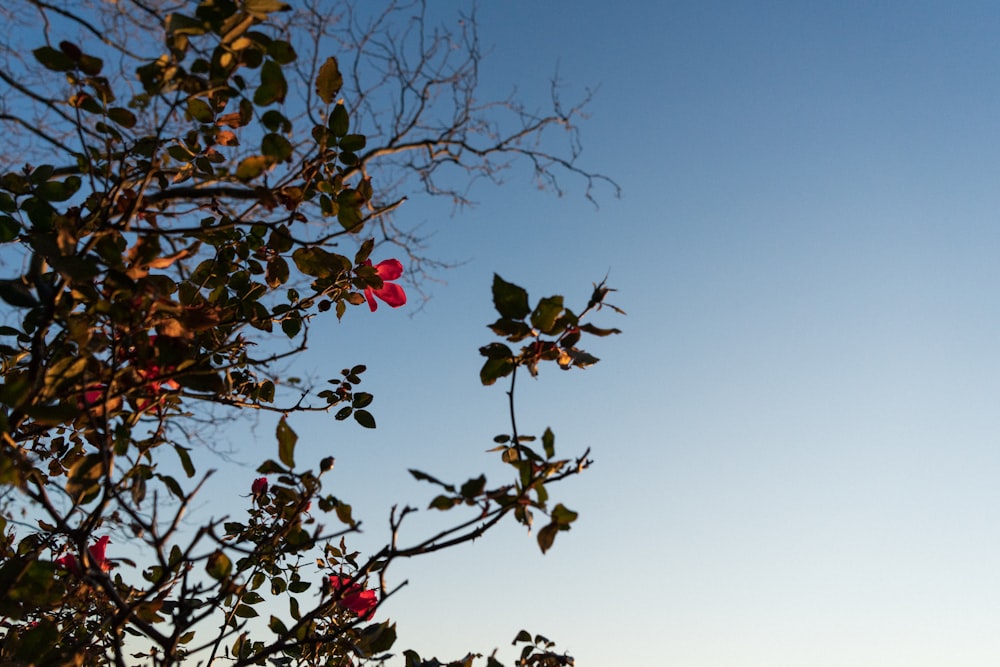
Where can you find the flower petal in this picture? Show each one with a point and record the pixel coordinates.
(389, 269)
(392, 294)
(370, 295)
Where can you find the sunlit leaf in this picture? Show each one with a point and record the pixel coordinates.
(329, 82)
(510, 300)
(286, 443)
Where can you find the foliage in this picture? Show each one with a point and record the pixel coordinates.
(183, 226)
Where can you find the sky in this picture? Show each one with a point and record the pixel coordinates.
(796, 436)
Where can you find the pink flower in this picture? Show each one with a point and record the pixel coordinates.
(98, 557)
(259, 487)
(391, 293)
(353, 598)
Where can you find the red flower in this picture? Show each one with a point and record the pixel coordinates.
(259, 486)
(353, 597)
(154, 385)
(97, 556)
(391, 293)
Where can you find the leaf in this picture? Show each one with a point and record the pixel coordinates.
(546, 536)
(84, 477)
(496, 351)
(364, 418)
(353, 142)
(91, 65)
(380, 637)
(200, 110)
(273, 86)
(261, 8)
(473, 487)
(343, 511)
(182, 454)
(591, 329)
(513, 330)
(281, 51)
(286, 443)
(17, 294)
(562, 516)
(276, 147)
(424, 477)
(510, 300)
(549, 443)
(243, 611)
(54, 59)
(443, 503)
(318, 262)
(546, 313)
(251, 167)
(329, 82)
(218, 566)
(277, 272)
(122, 117)
(495, 369)
(339, 121)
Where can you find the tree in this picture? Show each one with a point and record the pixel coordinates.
(169, 241)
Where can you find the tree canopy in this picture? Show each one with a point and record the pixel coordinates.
(192, 189)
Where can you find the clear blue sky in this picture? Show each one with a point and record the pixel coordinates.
(796, 438)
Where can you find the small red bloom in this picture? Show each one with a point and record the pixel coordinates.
(259, 487)
(390, 292)
(353, 598)
(98, 555)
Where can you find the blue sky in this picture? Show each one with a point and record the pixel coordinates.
(796, 436)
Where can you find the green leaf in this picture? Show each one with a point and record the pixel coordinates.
(182, 454)
(319, 263)
(546, 536)
(84, 478)
(273, 86)
(496, 351)
(179, 24)
(218, 566)
(200, 110)
(591, 329)
(91, 65)
(344, 513)
(276, 626)
(261, 8)
(281, 51)
(54, 59)
(513, 330)
(364, 418)
(17, 294)
(329, 82)
(243, 611)
(562, 516)
(379, 638)
(122, 117)
(286, 443)
(444, 503)
(549, 443)
(339, 121)
(473, 487)
(424, 477)
(546, 313)
(59, 190)
(510, 300)
(495, 369)
(353, 142)
(276, 147)
(251, 167)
